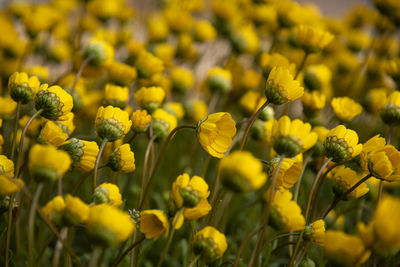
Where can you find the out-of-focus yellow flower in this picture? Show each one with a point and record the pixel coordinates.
(390, 113)
(313, 101)
(23, 88)
(153, 223)
(288, 13)
(357, 40)
(150, 98)
(251, 101)
(282, 87)
(9, 186)
(52, 134)
(182, 79)
(250, 80)
(263, 13)
(242, 172)
(341, 144)
(219, 80)
(344, 178)
(165, 52)
(289, 172)
(147, 64)
(290, 138)
(104, 9)
(204, 31)
(108, 193)
(54, 210)
(140, 121)
(179, 20)
(100, 52)
(245, 40)
(33, 129)
(196, 110)
(157, 28)
(7, 107)
(6, 166)
(345, 108)
(121, 74)
(215, 133)
(163, 123)
(286, 213)
(188, 192)
(176, 109)
(83, 153)
(317, 77)
(48, 164)
(40, 18)
(76, 211)
(198, 211)
(108, 225)
(67, 124)
(112, 123)
(122, 159)
(344, 248)
(209, 243)
(312, 39)
(55, 102)
(269, 61)
(392, 68)
(376, 100)
(384, 163)
(116, 96)
(315, 232)
(60, 51)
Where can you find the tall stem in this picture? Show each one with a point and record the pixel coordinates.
(153, 171)
(59, 246)
(94, 258)
(342, 196)
(145, 163)
(130, 248)
(21, 142)
(9, 225)
(301, 66)
(170, 236)
(389, 141)
(14, 142)
(96, 165)
(260, 239)
(250, 123)
(31, 222)
(309, 199)
(79, 73)
(194, 261)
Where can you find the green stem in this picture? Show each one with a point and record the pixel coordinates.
(250, 123)
(9, 225)
(96, 165)
(194, 261)
(94, 258)
(170, 236)
(243, 244)
(158, 160)
(129, 249)
(14, 142)
(59, 246)
(145, 163)
(301, 66)
(31, 222)
(79, 73)
(21, 142)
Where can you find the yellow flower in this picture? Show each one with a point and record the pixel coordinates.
(175, 108)
(165, 52)
(179, 20)
(209, 243)
(376, 99)
(313, 102)
(241, 172)
(6, 166)
(60, 51)
(215, 133)
(344, 178)
(346, 109)
(289, 172)
(198, 211)
(290, 138)
(116, 96)
(109, 194)
(121, 74)
(219, 79)
(112, 123)
(83, 153)
(48, 164)
(182, 79)
(153, 223)
(163, 123)
(7, 107)
(100, 52)
(344, 248)
(147, 64)
(286, 213)
(104, 9)
(150, 98)
(140, 121)
(52, 134)
(316, 232)
(8, 185)
(357, 40)
(122, 159)
(204, 31)
(269, 61)
(23, 88)
(67, 124)
(54, 209)
(251, 101)
(188, 192)
(250, 80)
(384, 163)
(34, 127)
(312, 39)
(282, 87)
(157, 28)
(341, 144)
(317, 77)
(390, 113)
(76, 211)
(196, 110)
(109, 226)
(55, 102)
(245, 39)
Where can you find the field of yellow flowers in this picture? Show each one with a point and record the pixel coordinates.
(199, 133)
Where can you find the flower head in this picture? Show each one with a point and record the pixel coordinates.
(289, 172)
(9, 186)
(83, 153)
(122, 159)
(269, 61)
(116, 96)
(312, 39)
(209, 243)
(140, 121)
(121, 74)
(315, 232)
(150, 98)
(55, 102)
(7, 107)
(189, 192)
(75, 211)
(52, 134)
(112, 123)
(219, 80)
(23, 88)
(100, 52)
(163, 123)
(147, 64)
(346, 109)
(54, 209)
(153, 223)
(390, 113)
(345, 178)
(109, 194)
(182, 79)
(313, 102)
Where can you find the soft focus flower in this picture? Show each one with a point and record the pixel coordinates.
(209, 243)
(316, 232)
(219, 80)
(54, 209)
(99, 52)
(147, 65)
(23, 88)
(196, 110)
(150, 98)
(176, 109)
(55, 102)
(75, 211)
(204, 31)
(317, 77)
(163, 123)
(313, 102)
(289, 172)
(52, 134)
(107, 193)
(122, 159)
(312, 39)
(390, 112)
(153, 223)
(9, 186)
(7, 107)
(376, 100)
(140, 121)
(112, 123)
(116, 96)
(215, 133)
(269, 61)
(182, 79)
(251, 101)
(345, 178)
(121, 74)
(346, 109)
(189, 192)
(83, 153)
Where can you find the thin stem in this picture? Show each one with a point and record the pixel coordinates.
(310, 195)
(122, 256)
(194, 261)
(79, 73)
(31, 222)
(21, 142)
(301, 66)
(260, 239)
(96, 165)
(94, 258)
(158, 159)
(170, 236)
(132, 137)
(59, 246)
(145, 163)
(14, 142)
(243, 244)
(342, 196)
(389, 141)
(9, 225)
(291, 234)
(250, 123)
(205, 166)
(298, 184)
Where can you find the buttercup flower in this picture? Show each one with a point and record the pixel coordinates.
(315, 232)
(83, 153)
(189, 192)
(100, 52)
(7, 107)
(390, 113)
(344, 178)
(121, 74)
(313, 102)
(182, 79)
(215, 133)
(153, 223)
(150, 98)
(9, 186)
(23, 88)
(209, 243)
(196, 110)
(219, 80)
(112, 123)
(163, 123)
(122, 159)
(147, 65)
(55, 102)
(116, 96)
(54, 210)
(140, 121)
(346, 109)
(75, 211)
(107, 193)
(289, 172)
(204, 31)
(52, 134)
(251, 101)
(175, 108)
(317, 77)
(312, 39)
(269, 61)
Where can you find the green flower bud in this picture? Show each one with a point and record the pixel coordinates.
(285, 145)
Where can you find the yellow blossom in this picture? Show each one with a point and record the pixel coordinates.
(23, 88)
(76, 211)
(112, 123)
(209, 243)
(312, 39)
(153, 223)
(140, 120)
(282, 87)
(346, 109)
(345, 178)
(108, 193)
(150, 98)
(189, 192)
(122, 159)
